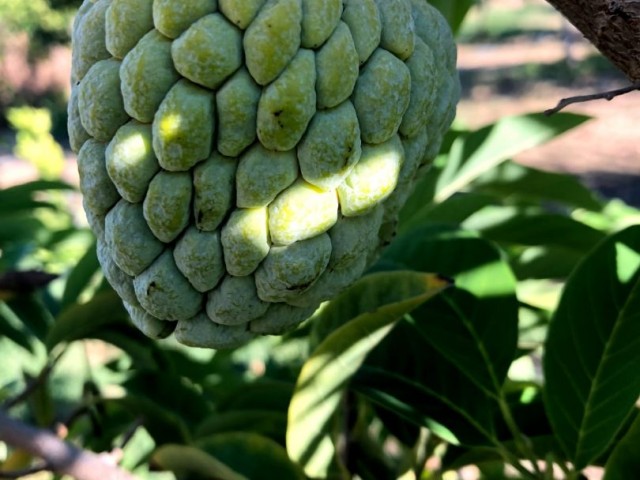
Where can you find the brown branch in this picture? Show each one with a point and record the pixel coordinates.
(59, 456)
(613, 26)
(609, 95)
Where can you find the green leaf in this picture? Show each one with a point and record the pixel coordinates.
(32, 312)
(162, 424)
(170, 392)
(592, 355)
(82, 320)
(540, 262)
(514, 181)
(80, 276)
(338, 357)
(476, 153)
(454, 11)
(469, 424)
(454, 210)
(624, 462)
(268, 458)
(184, 460)
(366, 295)
(475, 324)
(522, 227)
(269, 423)
(20, 196)
(264, 394)
(20, 227)
(12, 328)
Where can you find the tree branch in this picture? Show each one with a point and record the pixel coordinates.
(59, 456)
(613, 26)
(608, 95)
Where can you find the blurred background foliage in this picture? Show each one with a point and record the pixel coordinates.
(512, 234)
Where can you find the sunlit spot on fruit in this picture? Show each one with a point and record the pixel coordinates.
(170, 126)
(136, 146)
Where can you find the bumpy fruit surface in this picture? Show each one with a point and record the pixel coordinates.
(243, 161)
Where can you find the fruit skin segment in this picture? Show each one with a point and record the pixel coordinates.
(243, 162)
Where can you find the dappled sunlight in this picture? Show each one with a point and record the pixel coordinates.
(627, 262)
(170, 126)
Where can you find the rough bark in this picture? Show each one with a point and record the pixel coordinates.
(613, 26)
(60, 456)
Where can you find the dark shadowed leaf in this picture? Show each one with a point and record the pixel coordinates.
(185, 460)
(81, 320)
(468, 422)
(624, 462)
(592, 355)
(269, 423)
(475, 324)
(453, 10)
(267, 458)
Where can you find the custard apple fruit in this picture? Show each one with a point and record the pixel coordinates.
(243, 161)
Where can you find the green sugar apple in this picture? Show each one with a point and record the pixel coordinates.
(243, 161)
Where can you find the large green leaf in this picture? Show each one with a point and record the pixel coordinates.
(464, 419)
(81, 320)
(338, 357)
(80, 276)
(454, 210)
(517, 182)
(267, 458)
(184, 460)
(624, 462)
(33, 313)
(475, 153)
(592, 354)
(12, 328)
(271, 424)
(532, 227)
(475, 324)
(20, 197)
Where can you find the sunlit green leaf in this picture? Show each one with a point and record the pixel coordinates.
(480, 151)
(592, 355)
(80, 276)
(338, 357)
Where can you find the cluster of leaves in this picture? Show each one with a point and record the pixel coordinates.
(45, 21)
(531, 354)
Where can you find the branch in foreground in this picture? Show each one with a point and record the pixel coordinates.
(609, 95)
(60, 456)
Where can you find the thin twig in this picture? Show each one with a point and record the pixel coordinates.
(609, 95)
(60, 456)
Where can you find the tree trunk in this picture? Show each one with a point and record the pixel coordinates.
(613, 26)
